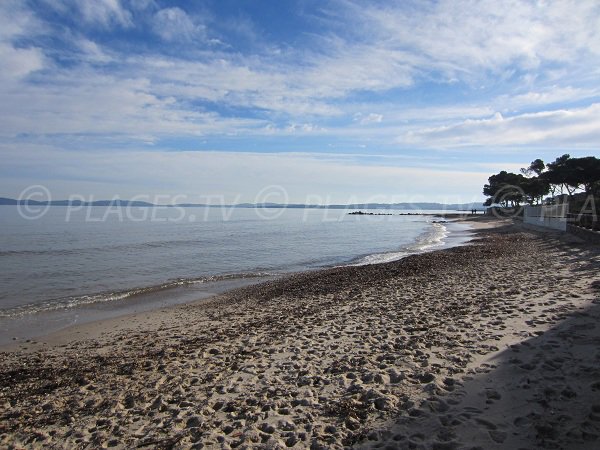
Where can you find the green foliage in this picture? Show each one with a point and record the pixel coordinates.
(572, 174)
(536, 167)
(505, 188)
(539, 179)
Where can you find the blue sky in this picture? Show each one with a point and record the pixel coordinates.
(333, 100)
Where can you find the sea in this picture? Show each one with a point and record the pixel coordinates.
(74, 265)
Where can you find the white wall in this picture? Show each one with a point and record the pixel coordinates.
(554, 217)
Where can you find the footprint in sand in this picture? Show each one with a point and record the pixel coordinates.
(497, 436)
(492, 395)
(486, 423)
(595, 413)
(528, 366)
(521, 421)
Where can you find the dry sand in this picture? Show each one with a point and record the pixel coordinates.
(491, 345)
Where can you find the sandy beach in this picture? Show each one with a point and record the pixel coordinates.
(491, 345)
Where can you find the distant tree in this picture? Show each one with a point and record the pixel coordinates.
(560, 174)
(505, 188)
(536, 167)
(534, 186)
(584, 172)
(571, 174)
(538, 180)
(535, 189)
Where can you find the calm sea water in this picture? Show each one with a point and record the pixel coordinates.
(102, 259)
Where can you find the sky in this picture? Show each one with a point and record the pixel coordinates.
(304, 101)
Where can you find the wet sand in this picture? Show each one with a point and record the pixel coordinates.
(490, 345)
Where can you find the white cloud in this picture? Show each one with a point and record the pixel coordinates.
(546, 96)
(397, 45)
(390, 47)
(240, 176)
(173, 24)
(92, 52)
(460, 38)
(105, 13)
(100, 13)
(574, 127)
(369, 118)
(349, 67)
(16, 21)
(104, 105)
(228, 82)
(18, 63)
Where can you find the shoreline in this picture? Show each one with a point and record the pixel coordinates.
(32, 329)
(407, 353)
(19, 333)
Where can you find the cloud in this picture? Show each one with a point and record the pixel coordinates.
(513, 57)
(105, 106)
(459, 38)
(101, 13)
(19, 62)
(173, 24)
(92, 52)
(369, 118)
(105, 13)
(16, 21)
(547, 96)
(234, 176)
(559, 128)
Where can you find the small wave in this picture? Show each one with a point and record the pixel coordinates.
(433, 237)
(82, 300)
(379, 258)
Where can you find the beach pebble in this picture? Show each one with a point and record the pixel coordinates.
(426, 377)
(367, 377)
(251, 435)
(304, 381)
(352, 424)
(291, 440)
(286, 425)
(193, 422)
(158, 403)
(266, 428)
(331, 429)
(129, 401)
(395, 376)
(449, 381)
(383, 403)
(370, 394)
